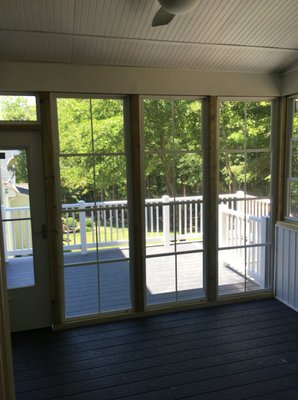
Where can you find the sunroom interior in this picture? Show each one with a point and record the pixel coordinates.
(144, 169)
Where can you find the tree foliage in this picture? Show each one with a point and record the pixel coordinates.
(92, 162)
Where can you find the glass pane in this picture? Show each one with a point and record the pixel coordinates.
(258, 124)
(74, 125)
(231, 125)
(295, 119)
(159, 176)
(231, 271)
(160, 280)
(158, 125)
(172, 124)
(108, 126)
(294, 159)
(110, 178)
(293, 199)
(81, 291)
(190, 283)
(189, 225)
(114, 284)
(258, 175)
(232, 173)
(245, 125)
(18, 108)
(232, 225)
(242, 269)
(188, 175)
(76, 180)
(187, 123)
(160, 226)
(16, 216)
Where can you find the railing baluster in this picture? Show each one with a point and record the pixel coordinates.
(117, 224)
(190, 218)
(180, 219)
(146, 220)
(111, 225)
(185, 219)
(157, 220)
(98, 225)
(123, 223)
(196, 217)
(105, 224)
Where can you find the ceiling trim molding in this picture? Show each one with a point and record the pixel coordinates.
(149, 41)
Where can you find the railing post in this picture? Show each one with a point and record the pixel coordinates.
(166, 220)
(264, 250)
(4, 234)
(82, 219)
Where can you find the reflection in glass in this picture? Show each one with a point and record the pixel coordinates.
(16, 217)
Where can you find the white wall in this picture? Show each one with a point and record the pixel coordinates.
(23, 76)
(286, 264)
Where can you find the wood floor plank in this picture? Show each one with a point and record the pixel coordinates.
(226, 352)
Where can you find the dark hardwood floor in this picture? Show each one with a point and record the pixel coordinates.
(240, 351)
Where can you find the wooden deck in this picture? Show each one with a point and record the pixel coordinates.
(240, 351)
(98, 288)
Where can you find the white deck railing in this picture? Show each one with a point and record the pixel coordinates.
(86, 225)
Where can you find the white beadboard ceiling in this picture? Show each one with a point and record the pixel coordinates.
(219, 35)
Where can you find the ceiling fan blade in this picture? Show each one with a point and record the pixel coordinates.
(162, 17)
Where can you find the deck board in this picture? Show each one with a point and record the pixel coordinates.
(241, 351)
(97, 288)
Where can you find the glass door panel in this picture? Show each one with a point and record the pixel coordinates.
(16, 218)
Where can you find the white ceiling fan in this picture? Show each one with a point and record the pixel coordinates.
(170, 8)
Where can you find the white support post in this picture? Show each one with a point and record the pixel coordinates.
(166, 220)
(82, 219)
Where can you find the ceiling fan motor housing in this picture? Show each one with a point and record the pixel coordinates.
(178, 6)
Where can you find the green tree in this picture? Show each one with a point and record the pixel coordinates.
(245, 127)
(172, 143)
(91, 141)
